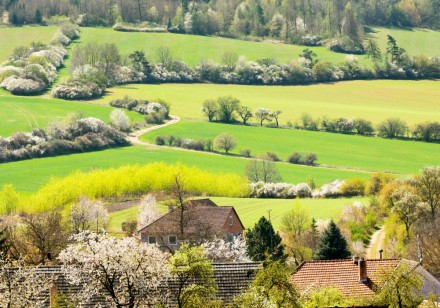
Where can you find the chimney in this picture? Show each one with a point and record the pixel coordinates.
(53, 293)
(355, 260)
(380, 253)
(363, 270)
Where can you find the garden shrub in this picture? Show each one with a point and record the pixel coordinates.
(245, 153)
(271, 156)
(295, 158)
(160, 140)
(353, 187)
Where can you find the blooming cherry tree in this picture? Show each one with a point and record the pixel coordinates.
(219, 250)
(126, 272)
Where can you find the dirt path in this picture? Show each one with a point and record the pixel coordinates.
(134, 137)
(375, 244)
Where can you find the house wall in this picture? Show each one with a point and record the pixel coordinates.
(236, 228)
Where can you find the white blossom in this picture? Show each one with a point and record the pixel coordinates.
(219, 250)
(148, 211)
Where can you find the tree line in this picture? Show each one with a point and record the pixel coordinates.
(288, 20)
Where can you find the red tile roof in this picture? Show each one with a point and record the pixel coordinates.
(342, 275)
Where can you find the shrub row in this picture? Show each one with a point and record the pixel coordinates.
(155, 112)
(79, 135)
(280, 190)
(173, 141)
(30, 71)
(389, 128)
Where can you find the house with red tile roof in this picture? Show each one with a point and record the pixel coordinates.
(357, 278)
(200, 220)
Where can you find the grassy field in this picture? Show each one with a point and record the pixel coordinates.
(250, 210)
(23, 36)
(24, 113)
(415, 41)
(412, 101)
(193, 48)
(366, 153)
(29, 175)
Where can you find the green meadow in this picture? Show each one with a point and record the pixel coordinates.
(193, 48)
(23, 36)
(367, 153)
(412, 101)
(415, 41)
(250, 210)
(29, 175)
(24, 113)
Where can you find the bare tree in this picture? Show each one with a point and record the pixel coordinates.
(210, 109)
(45, 232)
(225, 142)
(262, 114)
(275, 115)
(245, 113)
(262, 170)
(229, 59)
(87, 214)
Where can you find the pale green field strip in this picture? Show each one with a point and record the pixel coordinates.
(29, 175)
(24, 113)
(250, 210)
(193, 48)
(12, 38)
(412, 101)
(366, 153)
(415, 41)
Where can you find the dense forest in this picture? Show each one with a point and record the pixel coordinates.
(287, 20)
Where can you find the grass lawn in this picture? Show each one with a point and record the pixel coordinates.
(415, 41)
(23, 36)
(193, 48)
(27, 176)
(367, 153)
(24, 113)
(412, 101)
(250, 210)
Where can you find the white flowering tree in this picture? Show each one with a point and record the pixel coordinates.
(219, 250)
(148, 212)
(87, 214)
(22, 286)
(126, 272)
(120, 120)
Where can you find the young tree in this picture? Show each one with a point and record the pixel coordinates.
(373, 52)
(262, 114)
(148, 211)
(275, 115)
(332, 245)
(245, 113)
(227, 105)
(88, 215)
(210, 109)
(393, 50)
(401, 287)
(408, 206)
(262, 242)
(262, 170)
(392, 128)
(427, 186)
(129, 271)
(229, 59)
(225, 142)
(193, 273)
(274, 283)
(140, 62)
(164, 56)
(310, 56)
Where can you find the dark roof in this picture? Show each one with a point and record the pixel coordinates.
(231, 279)
(342, 275)
(200, 214)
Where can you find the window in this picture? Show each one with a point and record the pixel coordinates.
(172, 240)
(229, 238)
(231, 220)
(152, 239)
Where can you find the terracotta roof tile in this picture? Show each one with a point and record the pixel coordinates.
(343, 275)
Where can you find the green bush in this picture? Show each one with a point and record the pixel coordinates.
(353, 187)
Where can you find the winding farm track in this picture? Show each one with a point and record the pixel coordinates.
(375, 244)
(134, 137)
